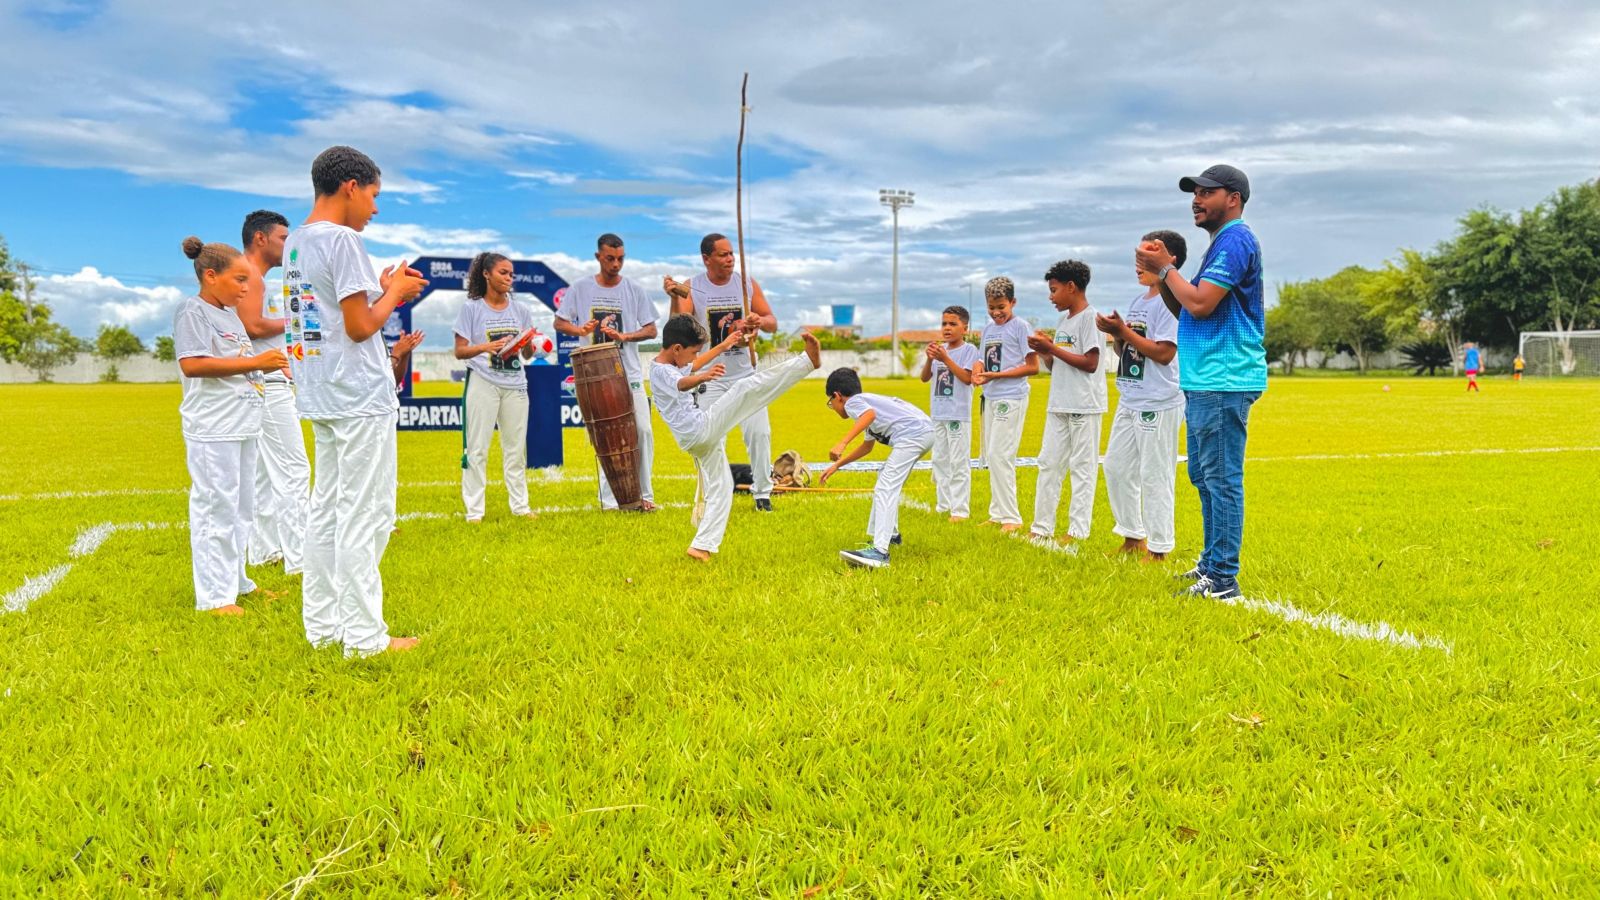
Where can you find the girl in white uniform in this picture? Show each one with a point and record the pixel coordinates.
(221, 412)
(497, 390)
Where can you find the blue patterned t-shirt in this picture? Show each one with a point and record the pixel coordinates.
(1226, 351)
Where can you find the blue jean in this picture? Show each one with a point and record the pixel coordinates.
(1218, 422)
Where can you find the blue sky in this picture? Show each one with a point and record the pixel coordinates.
(1039, 133)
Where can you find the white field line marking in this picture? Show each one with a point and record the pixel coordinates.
(1476, 451)
(1327, 621)
(85, 544)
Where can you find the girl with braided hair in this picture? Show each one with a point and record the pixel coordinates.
(496, 391)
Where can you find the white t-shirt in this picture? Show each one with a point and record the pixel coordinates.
(216, 409)
(895, 419)
(272, 307)
(335, 377)
(950, 397)
(480, 323)
(678, 408)
(625, 305)
(1073, 390)
(719, 307)
(1006, 347)
(1142, 385)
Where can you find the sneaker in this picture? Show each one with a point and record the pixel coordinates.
(866, 557)
(895, 541)
(1228, 592)
(1200, 588)
(1194, 574)
(763, 504)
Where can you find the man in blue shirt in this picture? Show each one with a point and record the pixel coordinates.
(1222, 348)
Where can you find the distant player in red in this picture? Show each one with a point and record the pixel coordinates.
(1472, 362)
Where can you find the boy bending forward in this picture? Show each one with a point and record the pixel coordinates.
(676, 375)
(904, 429)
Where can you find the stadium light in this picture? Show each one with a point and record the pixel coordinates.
(894, 199)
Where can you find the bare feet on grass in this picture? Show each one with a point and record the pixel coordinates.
(1008, 528)
(232, 609)
(957, 519)
(1131, 545)
(696, 553)
(1151, 556)
(401, 645)
(813, 348)
(647, 506)
(1066, 540)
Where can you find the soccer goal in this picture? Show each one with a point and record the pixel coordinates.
(1560, 352)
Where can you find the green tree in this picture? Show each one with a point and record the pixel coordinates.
(164, 349)
(116, 342)
(27, 333)
(1291, 328)
(1411, 295)
(1562, 241)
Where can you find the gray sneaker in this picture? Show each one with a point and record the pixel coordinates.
(1193, 574)
(866, 557)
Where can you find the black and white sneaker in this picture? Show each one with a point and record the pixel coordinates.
(763, 504)
(866, 557)
(895, 541)
(1220, 592)
(1193, 574)
(1200, 588)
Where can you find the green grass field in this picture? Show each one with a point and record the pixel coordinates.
(591, 712)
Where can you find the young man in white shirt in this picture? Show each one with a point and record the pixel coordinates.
(894, 423)
(345, 387)
(283, 472)
(1071, 444)
(1142, 453)
(608, 307)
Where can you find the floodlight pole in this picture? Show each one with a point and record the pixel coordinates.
(894, 199)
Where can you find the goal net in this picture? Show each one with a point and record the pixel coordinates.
(1560, 352)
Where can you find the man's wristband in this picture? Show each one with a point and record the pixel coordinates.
(1162, 275)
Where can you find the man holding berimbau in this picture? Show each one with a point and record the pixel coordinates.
(716, 300)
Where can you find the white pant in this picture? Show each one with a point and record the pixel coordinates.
(647, 452)
(756, 430)
(736, 404)
(222, 476)
(352, 513)
(952, 467)
(1071, 447)
(1002, 435)
(1142, 473)
(884, 520)
(283, 483)
(486, 405)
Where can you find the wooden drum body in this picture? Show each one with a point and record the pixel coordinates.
(606, 403)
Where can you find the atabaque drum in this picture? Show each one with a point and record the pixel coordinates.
(606, 403)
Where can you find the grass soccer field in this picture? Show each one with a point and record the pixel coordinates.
(1408, 703)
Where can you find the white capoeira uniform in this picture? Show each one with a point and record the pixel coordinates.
(718, 308)
(1005, 411)
(496, 395)
(345, 388)
(950, 406)
(221, 423)
(626, 308)
(701, 429)
(282, 472)
(908, 433)
(1071, 447)
(1142, 453)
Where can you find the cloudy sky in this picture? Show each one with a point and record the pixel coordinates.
(1029, 132)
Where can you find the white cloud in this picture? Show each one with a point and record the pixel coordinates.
(87, 299)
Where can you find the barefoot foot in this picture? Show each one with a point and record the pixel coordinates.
(232, 609)
(697, 554)
(401, 645)
(813, 348)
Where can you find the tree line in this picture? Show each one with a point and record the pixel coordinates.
(1500, 274)
(30, 335)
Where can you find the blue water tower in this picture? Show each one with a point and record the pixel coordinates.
(844, 315)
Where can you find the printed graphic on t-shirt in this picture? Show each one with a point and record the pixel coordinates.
(721, 319)
(604, 317)
(944, 383)
(991, 356)
(496, 332)
(1130, 364)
